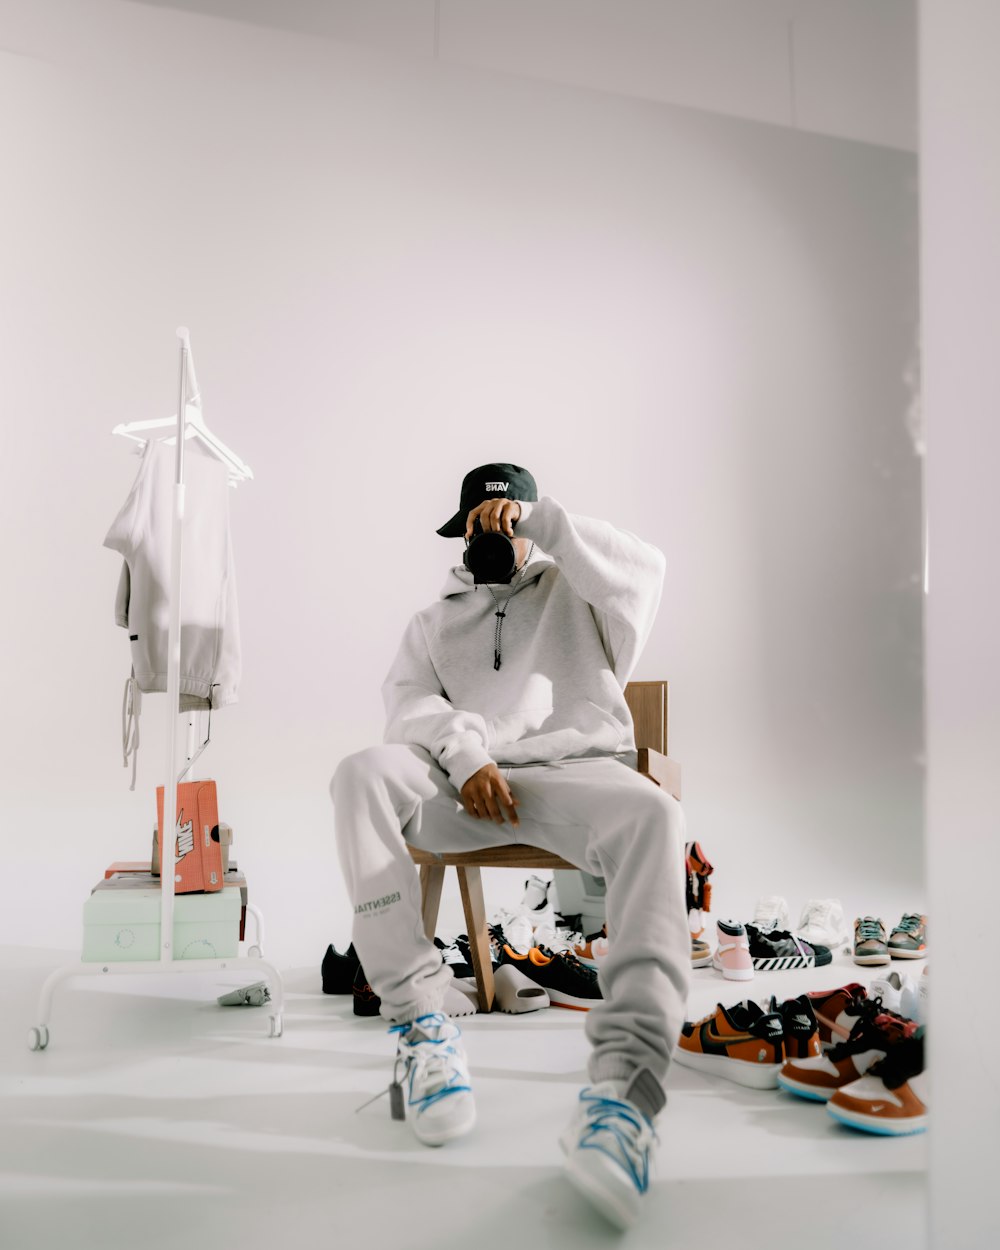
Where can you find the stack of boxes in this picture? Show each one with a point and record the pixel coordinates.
(121, 919)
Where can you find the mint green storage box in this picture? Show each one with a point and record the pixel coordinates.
(124, 925)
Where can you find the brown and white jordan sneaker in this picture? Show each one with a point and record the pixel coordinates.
(891, 1098)
(837, 1011)
(818, 1077)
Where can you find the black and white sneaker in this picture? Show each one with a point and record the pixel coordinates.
(775, 949)
(566, 981)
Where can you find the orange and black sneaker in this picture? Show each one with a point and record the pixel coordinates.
(567, 982)
(742, 1043)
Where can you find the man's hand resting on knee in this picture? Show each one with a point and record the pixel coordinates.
(486, 795)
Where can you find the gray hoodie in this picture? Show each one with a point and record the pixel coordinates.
(573, 630)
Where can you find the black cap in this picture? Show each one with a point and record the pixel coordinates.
(489, 481)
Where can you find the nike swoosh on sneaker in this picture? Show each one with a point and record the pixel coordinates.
(710, 1035)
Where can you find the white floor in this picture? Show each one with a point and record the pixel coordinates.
(157, 1119)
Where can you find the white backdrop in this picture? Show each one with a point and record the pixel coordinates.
(699, 328)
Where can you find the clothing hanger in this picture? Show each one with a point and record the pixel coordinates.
(194, 423)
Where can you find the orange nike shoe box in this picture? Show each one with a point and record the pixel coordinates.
(197, 852)
(222, 833)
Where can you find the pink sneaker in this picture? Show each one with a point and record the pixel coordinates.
(732, 955)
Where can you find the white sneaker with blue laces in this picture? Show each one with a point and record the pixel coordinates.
(608, 1148)
(433, 1072)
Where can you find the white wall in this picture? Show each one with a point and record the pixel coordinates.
(960, 289)
(696, 327)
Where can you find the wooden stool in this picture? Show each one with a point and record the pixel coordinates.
(647, 702)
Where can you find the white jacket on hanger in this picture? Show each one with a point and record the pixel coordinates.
(141, 533)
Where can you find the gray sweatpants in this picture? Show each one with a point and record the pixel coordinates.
(599, 814)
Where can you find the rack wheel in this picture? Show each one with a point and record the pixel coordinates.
(254, 952)
(38, 1037)
(275, 1030)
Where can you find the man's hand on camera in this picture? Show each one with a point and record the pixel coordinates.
(486, 795)
(498, 516)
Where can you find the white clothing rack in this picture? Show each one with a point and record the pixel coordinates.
(188, 415)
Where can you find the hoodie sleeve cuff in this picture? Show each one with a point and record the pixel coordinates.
(461, 766)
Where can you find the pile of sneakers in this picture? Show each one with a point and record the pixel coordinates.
(844, 1047)
(870, 1073)
(342, 973)
(562, 979)
(761, 946)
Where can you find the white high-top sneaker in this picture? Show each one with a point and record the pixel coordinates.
(433, 1071)
(771, 912)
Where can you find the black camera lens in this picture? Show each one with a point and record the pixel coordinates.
(490, 557)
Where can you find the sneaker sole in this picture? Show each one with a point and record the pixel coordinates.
(901, 954)
(867, 960)
(701, 961)
(780, 962)
(813, 1092)
(559, 998)
(752, 1075)
(444, 1133)
(876, 1124)
(733, 974)
(607, 1195)
(830, 940)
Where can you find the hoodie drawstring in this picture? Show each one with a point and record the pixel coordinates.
(500, 609)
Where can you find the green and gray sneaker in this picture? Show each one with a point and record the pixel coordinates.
(870, 945)
(909, 938)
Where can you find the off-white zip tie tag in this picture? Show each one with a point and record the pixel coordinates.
(397, 1105)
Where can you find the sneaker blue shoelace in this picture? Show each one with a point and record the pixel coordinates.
(909, 925)
(619, 1131)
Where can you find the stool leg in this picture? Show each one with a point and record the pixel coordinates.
(431, 881)
(470, 883)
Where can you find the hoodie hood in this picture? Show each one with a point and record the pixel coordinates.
(459, 579)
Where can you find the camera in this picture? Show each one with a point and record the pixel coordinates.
(490, 557)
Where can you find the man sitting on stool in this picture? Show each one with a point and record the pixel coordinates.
(507, 722)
